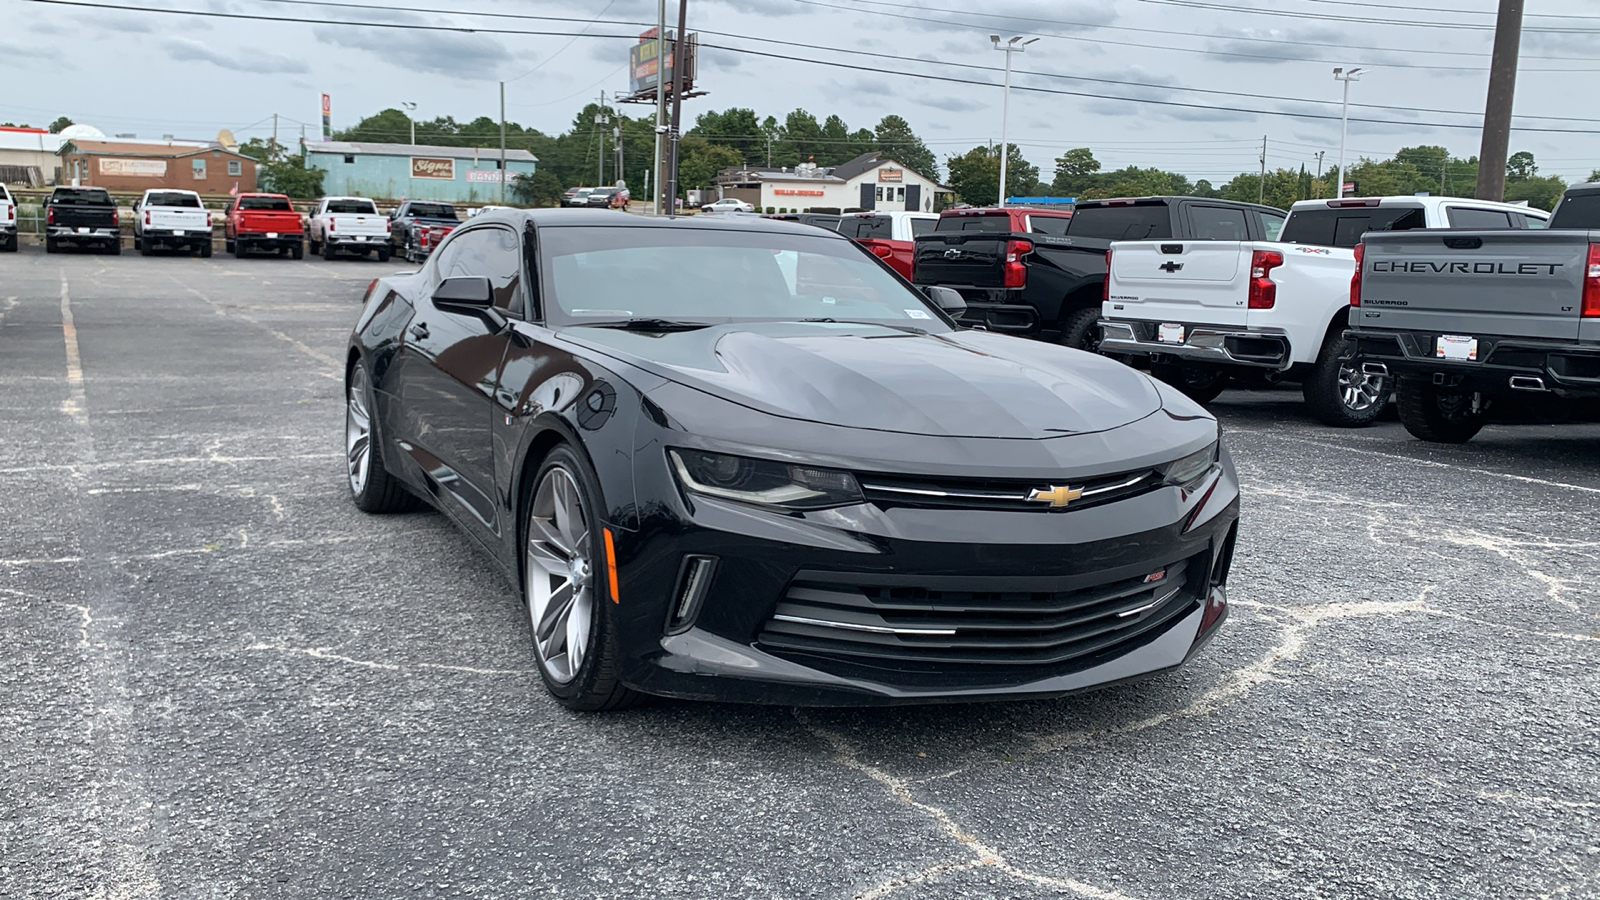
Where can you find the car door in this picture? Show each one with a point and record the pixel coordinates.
(449, 363)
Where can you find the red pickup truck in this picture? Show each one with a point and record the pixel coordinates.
(887, 235)
(263, 222)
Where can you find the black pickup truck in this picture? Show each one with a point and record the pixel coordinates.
(1050, 286)
(83, 217)
(417, 226)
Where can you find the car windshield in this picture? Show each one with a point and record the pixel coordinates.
(80, 198)
(175, 200)
(276, 204)
(606, 273)
(432, 211)
(352, 207)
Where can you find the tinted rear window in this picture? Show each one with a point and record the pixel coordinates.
(922, 226)
(1217, 223)
(995, 224)
(1344, 227)
(353, 207)
(1578, 211)
(1048, 224)
(432, 210)
(81, 198)
(867, 227)
(274, 204)
(1122, 223)
(1461, 217)
(174, 200)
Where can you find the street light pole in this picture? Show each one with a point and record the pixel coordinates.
(411, 108)
(1341, 74)
(1009, 47)
(661, 102)
(502, 143)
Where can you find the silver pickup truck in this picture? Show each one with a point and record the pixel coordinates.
(1466, 319)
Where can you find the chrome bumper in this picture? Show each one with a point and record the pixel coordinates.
(1202, 344)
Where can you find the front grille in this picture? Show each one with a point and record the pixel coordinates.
(909, 629)
(1010, 495)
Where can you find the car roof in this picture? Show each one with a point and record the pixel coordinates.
(558, 217)
(1412, 201)
(1006, 210)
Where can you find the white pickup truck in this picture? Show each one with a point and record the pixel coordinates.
(1204, 312)
(171, 218)
(8, 221)
(352, 224)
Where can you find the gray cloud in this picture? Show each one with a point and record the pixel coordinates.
(948, 103)
(442, 53)
(185, 50)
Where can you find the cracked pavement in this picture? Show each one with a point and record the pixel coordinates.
(222, 680)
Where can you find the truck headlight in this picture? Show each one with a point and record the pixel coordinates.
(763, 482)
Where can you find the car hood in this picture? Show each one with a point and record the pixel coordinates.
(962, 384)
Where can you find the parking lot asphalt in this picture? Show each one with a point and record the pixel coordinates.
(222, 680)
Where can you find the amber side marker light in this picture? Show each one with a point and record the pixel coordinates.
(611, 565)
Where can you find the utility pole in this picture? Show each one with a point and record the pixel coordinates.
(272, 152)
(1444, 175)
(1261, 187)
(679, 70)
(600, 143)
(1497, 106)
(1344, 121)
(661, 103)
(616, 145)
(502, 143)
(1316, 186)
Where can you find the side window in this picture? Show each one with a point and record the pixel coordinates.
(1048, 224)
(503, 265)
(1533, 221)
(1467, 217)
(1271, 225)
(1216, 223)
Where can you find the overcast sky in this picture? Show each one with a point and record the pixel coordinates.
(1225, 63)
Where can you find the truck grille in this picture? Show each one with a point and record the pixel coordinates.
(1009, 495)
(907, 629)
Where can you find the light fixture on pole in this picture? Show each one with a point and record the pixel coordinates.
(411, 108)
(1346, 76)
(1010, 47)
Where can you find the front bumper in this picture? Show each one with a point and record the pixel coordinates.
(873, 604)
(1208, 344)
(1506, 366)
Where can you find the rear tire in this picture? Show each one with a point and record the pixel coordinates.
(205, 250)
(50, 245)
(1338, 393)
(1198, 383)
(383, 255)
(10, 246)
(372, 488)
(327, 251)
(563, 534)
(1436, 414)
(238, 250)
(1080, 330)
(298, 251)
(115, 248)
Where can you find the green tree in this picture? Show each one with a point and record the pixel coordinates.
(262, 150)
(894, 138)
(799, 140)
(700, 161)
(736, 127)
(1540, 191)
(1593, 177)
(539, 189)
(975, 175)
(1075, 172)
(1282, 188)
(61, 124)
(290, 176)
(1203, 188)
(1520, 167)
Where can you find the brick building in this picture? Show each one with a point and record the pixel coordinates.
(130, 166)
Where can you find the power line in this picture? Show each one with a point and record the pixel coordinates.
(832, 64)
(1446, 9)
(1363, 20)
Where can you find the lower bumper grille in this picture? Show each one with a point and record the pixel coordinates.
(914, 628)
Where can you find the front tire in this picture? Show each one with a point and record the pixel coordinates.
(327, 251)
(1338, 393)
(1080, 330)
(372, 488)
(1199, 383)
(205, 250)
(1438, 415)
(383, 255)
(565, 585)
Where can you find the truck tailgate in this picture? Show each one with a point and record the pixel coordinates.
(968, 259)
(1511, 283)
(351, 225)
(253, 221)
(196, 220)
(1179, 281)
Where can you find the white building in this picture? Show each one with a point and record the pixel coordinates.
(870, 181)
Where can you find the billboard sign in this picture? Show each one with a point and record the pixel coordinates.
(133, 168)
(485, 176)
(431, 167)
(327, 117)
(645, 63)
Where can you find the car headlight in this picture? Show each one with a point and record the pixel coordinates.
(763, 482)
(1187, 471)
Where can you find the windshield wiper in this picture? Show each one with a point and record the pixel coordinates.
(647, 324)
(909, 329)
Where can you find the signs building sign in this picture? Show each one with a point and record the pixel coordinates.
(431, 167)
(327, 117)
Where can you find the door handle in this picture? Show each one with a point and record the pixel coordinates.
(420, 331)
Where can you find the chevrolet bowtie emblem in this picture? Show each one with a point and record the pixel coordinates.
(1057, 496)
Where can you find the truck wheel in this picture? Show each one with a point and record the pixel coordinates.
(316, 248)
(227, 245)
(1338, 393)
(383, 254)
(238, 249)
(327, 252)
(50, 245)
(10, 246)
(1199, 383)
(297, 251)
(205, 250)
(115, 248)
(144, 247)
(1436, 414)
(1081, 330)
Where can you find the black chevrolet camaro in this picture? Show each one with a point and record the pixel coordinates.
(740, 459)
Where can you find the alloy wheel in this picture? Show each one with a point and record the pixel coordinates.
(1360, 391)
(560, 575)
(358, 431)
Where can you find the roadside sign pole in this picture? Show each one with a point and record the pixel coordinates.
(679, 58)
(661, 104)
(1497, 107)
(502, 143)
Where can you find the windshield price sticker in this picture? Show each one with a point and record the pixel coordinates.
(1455, 346)
(917, 314)
(1170, 333)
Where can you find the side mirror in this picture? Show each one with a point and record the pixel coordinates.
(947, 299)
(466, 293)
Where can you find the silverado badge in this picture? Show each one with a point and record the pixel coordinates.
(1057, 496)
